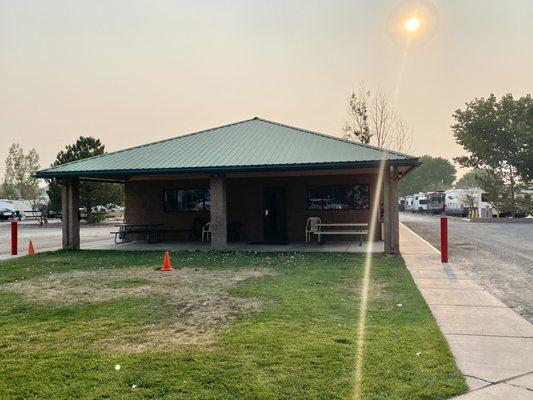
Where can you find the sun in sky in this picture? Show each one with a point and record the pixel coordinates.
(412, 24)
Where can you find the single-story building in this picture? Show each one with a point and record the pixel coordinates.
(254, 181)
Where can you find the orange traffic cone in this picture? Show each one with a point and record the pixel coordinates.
(31, 250)
(166, 263)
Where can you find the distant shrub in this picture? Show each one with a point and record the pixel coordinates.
(95, 217)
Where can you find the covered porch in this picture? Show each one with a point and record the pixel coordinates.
(253, 211)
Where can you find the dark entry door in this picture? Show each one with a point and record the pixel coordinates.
(275, 214)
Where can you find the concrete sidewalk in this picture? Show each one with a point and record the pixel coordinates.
(492, 345)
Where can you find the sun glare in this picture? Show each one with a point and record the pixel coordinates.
(412, 24)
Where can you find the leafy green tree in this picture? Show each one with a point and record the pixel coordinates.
(19, 182)
(470, 180)
(91, 193)
(494, 184)
(498, 137)
(435, 173)
(467, 181)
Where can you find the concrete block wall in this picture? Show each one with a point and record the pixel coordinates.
(145, 205)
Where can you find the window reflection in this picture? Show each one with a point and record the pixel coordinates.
(187, 200)
(338, 197)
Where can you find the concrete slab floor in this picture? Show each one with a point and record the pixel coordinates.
(492, 345)
(344, 247)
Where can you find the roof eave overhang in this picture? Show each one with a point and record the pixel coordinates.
(45, 174)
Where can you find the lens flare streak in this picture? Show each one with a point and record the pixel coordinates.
(365, 285)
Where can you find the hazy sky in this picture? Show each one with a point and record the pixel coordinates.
(131, 72)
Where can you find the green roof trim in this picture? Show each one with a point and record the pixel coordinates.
(252, 145)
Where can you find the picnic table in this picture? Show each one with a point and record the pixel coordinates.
(126, 231)
(344, 229)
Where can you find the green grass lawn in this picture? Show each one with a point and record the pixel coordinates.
(296, 342)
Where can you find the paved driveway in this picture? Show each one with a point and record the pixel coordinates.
(48, 236)
(499, 257)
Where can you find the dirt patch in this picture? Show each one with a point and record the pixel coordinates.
(199, 299)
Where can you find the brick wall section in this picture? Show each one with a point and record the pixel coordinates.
(219, 214)
(144, 204)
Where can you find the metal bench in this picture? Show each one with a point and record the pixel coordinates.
(324, 229)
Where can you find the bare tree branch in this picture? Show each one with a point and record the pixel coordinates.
(372, 119)
(402, 136)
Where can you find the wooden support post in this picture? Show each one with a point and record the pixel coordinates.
(70, 205)
(391, 211)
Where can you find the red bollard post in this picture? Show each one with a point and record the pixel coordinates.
(443, 239)
(14, 238)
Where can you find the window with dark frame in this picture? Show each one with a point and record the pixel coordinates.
(176, 200)
(338, 197)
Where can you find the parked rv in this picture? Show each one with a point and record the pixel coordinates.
(481, 203)
(420, 203)
(455, 203)
(401, 204)
(435, 202)
(461, 201)
(408, 203)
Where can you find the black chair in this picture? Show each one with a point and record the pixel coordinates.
(234, 231)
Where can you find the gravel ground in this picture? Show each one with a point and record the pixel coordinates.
(497, 256)
(48, 236)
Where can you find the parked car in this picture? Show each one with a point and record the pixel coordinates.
(8, 211)
(54, 214)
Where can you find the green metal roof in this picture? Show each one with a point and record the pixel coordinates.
(254, 144)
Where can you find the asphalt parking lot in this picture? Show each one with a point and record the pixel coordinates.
(498, 256)
(48, 236)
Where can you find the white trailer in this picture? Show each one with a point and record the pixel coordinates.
(460, 202)
(408, 206)
(420, 203)
(455, 202)
(483, 207)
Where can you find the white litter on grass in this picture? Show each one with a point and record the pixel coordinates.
(418, 354)
(399, 305)
(133, 386)
(117, 367)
